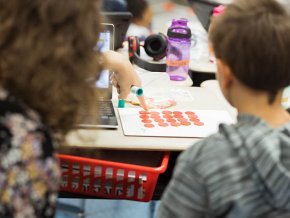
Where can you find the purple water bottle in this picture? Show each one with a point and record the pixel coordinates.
(178, 49)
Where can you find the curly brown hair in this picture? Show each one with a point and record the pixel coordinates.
(47, 55)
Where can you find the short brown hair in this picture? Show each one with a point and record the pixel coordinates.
(253, 38)
(47, 55)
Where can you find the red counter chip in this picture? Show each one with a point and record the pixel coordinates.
(146, 121)
(177, 112)
(155, 116)
(182, 119)
(178, 116)
(185, 123)
(158, 120)
(144, 116)
(163, 124)
(192, 116)
(189, 112)
(167, 116)
(194, 119)
(198, 123)
(149, 125)
(175, 124)
(166, 112)
(171, 120)
(143, 112)
(154, 113)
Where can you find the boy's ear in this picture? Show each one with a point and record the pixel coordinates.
(225, 75)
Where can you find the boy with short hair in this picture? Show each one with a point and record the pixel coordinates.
(243, 170)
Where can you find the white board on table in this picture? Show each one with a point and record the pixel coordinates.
(133, 126)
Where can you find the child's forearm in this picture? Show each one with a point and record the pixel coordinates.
(113, 61)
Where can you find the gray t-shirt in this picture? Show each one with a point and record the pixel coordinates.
(240, 172)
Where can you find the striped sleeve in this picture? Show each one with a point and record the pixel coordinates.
(185, 196)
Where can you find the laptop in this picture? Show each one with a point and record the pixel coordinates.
(121, 22)
(204, 9)
(106, 114)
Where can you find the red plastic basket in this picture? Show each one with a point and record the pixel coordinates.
(107, 179)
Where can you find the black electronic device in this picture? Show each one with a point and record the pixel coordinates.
(121, 22)
(106, 115)
(155, 46)
(203, 10)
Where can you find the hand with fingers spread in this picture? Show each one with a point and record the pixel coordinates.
(124, 76)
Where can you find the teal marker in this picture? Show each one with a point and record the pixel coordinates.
(137, 90)
(121, 103)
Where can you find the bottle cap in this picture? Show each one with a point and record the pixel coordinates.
(137, 90)
(181, 21)
(179, 29)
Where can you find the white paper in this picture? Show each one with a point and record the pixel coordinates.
(133, 126)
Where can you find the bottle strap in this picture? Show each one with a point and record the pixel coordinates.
(171, 33)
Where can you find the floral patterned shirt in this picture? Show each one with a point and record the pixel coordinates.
(29, 170)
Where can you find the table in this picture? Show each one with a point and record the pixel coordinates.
(114, 139)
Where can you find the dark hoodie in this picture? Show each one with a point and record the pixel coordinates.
(241, 172)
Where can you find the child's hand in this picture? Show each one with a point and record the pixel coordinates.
(124, 76)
